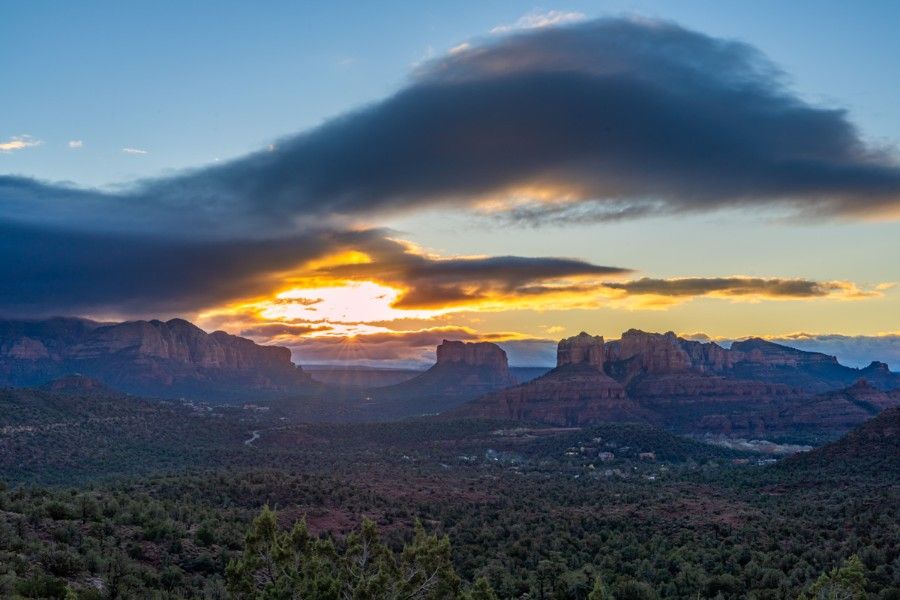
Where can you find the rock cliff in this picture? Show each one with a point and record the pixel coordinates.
(477, 354)
(164, 359)
(581, 349)
(576, 392)
(686, 385)
(462, 371)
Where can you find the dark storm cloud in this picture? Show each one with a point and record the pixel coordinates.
(624, 117)
(737, 286)
(439, 282)
(609, 119)
(45, 271)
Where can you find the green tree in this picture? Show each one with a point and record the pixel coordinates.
(281, 565)
(847, 582)
(600, 591)
(481, 590)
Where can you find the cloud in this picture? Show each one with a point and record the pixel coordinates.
(414, 347)
(535, 20)
(76, 144)
(745, 287)
(428, 281)
(134, 151)
(51, 271)
(272, 332)
(607, 119)
(47, 271)
(19, 142)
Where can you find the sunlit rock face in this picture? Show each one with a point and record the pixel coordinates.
(166, 359)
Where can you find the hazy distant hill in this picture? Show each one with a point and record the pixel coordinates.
(840, 410)
(152, 358)
(872, 449)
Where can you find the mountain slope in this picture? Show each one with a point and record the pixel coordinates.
(152, 358)
(840, 410)
(870, 450)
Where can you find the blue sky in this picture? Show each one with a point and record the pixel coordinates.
(189, 82)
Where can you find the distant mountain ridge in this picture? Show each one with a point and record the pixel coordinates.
(152, 358)
(682, 384)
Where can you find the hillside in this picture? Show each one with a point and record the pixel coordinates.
(870, 450)
(62, 437)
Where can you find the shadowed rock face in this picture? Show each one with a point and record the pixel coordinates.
(479, 354)
(154, 358)
(683, 384)
(463, 371)
(576, 392)
(581, 349)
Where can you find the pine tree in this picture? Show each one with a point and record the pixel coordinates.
(600, 591)
(847, 582)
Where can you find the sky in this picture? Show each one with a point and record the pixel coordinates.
(359, 182)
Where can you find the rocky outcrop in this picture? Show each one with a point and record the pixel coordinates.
(762, 352)
(686, 385)
(477, 354)
(164, 359)
(576, 392)
(639, 353)
(463, 371)
(581, 349)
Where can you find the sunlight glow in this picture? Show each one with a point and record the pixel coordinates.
(352, 302)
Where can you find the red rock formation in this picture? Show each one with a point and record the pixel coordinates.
(463, 371)
(482, 354)
(762, 352)
(168, 359)
(576, 392)
(650, 352)
(581, 349)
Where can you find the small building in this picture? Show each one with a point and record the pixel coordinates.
(647, 455)
(606, 457)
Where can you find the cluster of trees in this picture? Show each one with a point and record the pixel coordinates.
(525, 530)
(295, 564)
(553, 539)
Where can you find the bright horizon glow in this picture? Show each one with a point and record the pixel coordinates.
(352, 302)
